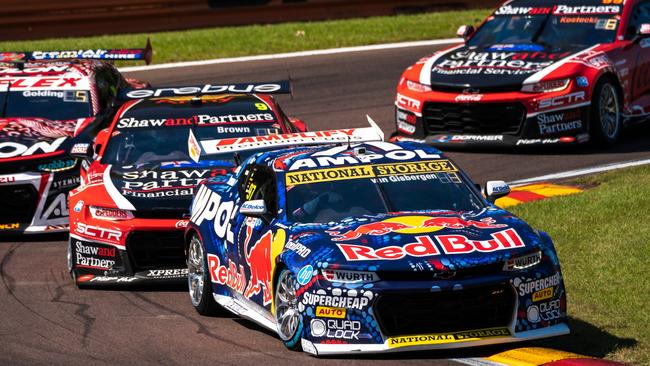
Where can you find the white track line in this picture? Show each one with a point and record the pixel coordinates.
(579, 172)
(477, 362)
(330, 51)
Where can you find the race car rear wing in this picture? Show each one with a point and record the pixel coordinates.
(352, 135)
(120, 54)
(274, 87)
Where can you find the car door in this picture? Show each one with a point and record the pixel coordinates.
(639, 54)
(255, 235)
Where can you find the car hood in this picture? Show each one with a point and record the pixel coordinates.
(418, 241)
(491, 68)
(34, 138)
(160, 187)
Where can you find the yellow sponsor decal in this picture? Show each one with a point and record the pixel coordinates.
(464, 336)
(9, 226)
(544, 294)
(420, 167)
(327, 175)
(368, 171)
(328, 312)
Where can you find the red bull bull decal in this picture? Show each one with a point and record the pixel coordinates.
(259, 263)
(413, 225)
(424, 246)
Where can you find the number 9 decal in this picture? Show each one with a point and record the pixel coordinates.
(261, 106)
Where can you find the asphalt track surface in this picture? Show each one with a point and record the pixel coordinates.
(45, 319)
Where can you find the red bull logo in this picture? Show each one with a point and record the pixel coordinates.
(413, 225)
(226, 275)
(424, 246)
(375, 228)
(259, 263)
(458, 223)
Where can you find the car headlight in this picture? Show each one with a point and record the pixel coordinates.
(417, 87)
(523, 261)
(339, 275)
(546, 86)
(104, 213)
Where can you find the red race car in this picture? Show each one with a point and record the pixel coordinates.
(534, 73)
(49, 99)
(128, 217)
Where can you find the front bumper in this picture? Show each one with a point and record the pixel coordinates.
(448, 120)
(339, 318)
(333, 349)
(108, 253)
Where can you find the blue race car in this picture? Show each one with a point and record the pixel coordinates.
(368, 247)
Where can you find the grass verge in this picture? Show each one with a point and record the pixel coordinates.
(210, 43)
(603, 246)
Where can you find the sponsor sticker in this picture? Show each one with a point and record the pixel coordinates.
(442, 338)
(329, 312)
(424, 246)
(305, 274)
(544, 294)
(368, 171)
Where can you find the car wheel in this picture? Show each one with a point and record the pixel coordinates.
(287, 315)
(198, 281)
(605, 114)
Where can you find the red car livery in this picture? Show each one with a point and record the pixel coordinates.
(534, 73)
(129, 214)
(48, 101)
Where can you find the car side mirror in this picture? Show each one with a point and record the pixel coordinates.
(495, 189)
(642, 32)
(464, 31)
(254, 208)
(82, 150)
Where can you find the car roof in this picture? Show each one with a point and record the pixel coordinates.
(49, 75)
(329, 156)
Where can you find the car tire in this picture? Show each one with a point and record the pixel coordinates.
(606, 120)
(287, 316)
(198, 280)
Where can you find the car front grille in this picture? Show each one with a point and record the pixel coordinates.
(156, 249)
(18, 203)
(473, 118)
(401, 313)
(465, 273)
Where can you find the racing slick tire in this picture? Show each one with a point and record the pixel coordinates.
(606, 113)
(198, 279)
(287, 315)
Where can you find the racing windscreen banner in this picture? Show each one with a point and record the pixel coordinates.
(273, 87)
(365, 134)
(117, 54)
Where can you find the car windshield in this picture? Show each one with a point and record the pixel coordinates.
(50, 104)
(547, 30)
(159, 129)
(320, 196)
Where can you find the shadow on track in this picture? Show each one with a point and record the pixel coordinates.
(32, 238)
(587, 339)
(635, 139)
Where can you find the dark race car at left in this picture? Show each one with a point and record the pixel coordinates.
(369, 247)
(48, 101)
(128, 216)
